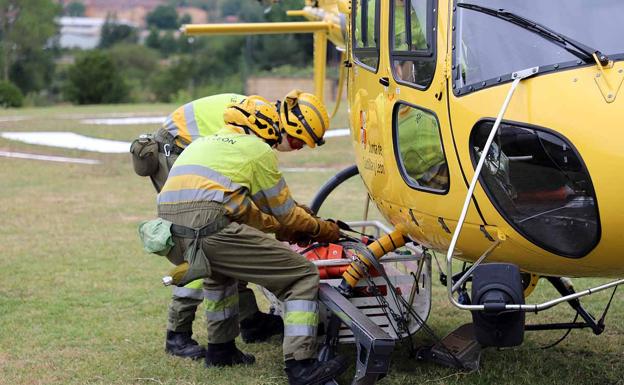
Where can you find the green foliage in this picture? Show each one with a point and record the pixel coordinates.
(265, 52)
(233, 84)
(113, 33)
(25, 26)
(217, 58)
(185, 19)
(134, 60)
(94, 79)
(75, 9)
(166, 42)
(163, 17)
(39, 99)
(166, 83)
(10, 95)
(136, 64)
(33, 70)
(153, 39)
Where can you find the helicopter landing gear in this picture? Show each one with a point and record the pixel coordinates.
(564, 287)
(495, 285)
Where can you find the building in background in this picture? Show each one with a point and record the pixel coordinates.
(133, 11)
(83, 32)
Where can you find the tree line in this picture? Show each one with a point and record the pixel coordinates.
(165, 66)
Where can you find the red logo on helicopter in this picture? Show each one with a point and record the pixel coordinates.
(363, 128)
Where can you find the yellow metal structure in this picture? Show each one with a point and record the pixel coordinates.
(254, 28)
(581, 103)
(325, 23)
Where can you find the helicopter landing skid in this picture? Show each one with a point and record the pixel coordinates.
(461, 342)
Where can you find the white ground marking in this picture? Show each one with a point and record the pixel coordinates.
(337, 132)
(47, 158)
(12, 118)
(81, 142)
(69, 140)
(126, 121)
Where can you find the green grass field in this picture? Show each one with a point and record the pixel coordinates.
(81, 303)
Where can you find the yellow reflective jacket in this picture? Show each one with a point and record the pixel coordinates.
(241, 172)
(201, 117)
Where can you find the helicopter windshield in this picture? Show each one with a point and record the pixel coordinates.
(489, 49)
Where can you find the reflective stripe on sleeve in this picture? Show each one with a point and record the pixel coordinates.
(271, 192)
(187, 195)
(237, 203)
(191, 124)
(301, 318)
(222, 303)
(170, 126)
(281, 210)
(276, 200)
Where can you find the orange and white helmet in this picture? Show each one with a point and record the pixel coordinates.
(303, 116)
(257, 114)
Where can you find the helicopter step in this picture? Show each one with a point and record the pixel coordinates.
(374, 345)
(459, 349)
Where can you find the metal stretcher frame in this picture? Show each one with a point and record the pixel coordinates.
(374, 345)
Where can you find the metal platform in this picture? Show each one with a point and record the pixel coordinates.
(364, 319)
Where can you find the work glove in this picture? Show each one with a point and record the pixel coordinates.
(328, 231)
(292, 237)
(306, 209)
(284, 234)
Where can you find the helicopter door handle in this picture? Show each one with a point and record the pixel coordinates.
(384, 81)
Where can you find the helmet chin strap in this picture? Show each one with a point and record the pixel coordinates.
(283, 145)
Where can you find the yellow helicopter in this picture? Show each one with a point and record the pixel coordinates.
(486, 130)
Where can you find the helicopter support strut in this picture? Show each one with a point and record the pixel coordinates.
(564, 287)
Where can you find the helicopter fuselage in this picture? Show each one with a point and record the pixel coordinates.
(425, 86)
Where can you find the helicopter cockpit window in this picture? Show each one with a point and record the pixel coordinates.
(419, 149)
(539, 184)
(412, 41)
(488, 49)
(366, 33)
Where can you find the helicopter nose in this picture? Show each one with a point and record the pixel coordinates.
(553, 172)
(541, 186)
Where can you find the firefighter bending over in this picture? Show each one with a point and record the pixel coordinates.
(223, 192)
(199, 118)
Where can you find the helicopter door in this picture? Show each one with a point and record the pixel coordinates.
(429, 182)
(366, 93)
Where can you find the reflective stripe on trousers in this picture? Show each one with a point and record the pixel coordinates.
(190, 290)
(222, 303)
(301, 318)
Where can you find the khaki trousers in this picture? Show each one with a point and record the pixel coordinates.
(184, 301)
(184, 304)
(242, 253)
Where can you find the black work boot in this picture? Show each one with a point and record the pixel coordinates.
(182, 345)
(227, 354)
(313, 372)
(260, 327)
